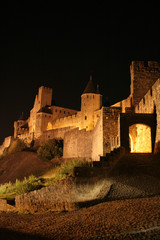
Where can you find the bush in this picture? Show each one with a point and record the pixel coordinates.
(66, 169)
(27, 185)
(50, 149)
(7, 188)
(20, 187)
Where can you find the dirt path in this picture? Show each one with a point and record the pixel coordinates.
(124, 219)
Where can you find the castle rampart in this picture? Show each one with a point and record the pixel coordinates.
(110, 126)
(150, 104)
(7, 142)
(143, 76)
(94, 130)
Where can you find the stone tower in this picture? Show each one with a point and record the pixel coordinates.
(91, 100)
(43, 99)
(143, 76)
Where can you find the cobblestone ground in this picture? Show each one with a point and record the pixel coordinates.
(123, 219)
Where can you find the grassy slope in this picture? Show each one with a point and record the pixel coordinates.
(21, 164)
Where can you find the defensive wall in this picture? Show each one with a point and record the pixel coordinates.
(89, 144)
(143, 76)
(72, 121)
(128, 131)
(95, 143)
(150, 103)
(84, 144)
(50, 134)
(7, 142)
(110, 126)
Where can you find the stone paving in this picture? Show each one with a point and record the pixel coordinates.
(121, 219)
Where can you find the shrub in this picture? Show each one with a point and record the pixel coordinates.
(7, 188)
(19, 187)
(50, 149)
(27, 185)
(66, 168)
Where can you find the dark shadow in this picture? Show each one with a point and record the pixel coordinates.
(6, 234)
(154, 129)
(135, 176)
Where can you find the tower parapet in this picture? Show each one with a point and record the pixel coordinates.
(143, 76)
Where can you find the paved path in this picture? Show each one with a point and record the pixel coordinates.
(123, 219)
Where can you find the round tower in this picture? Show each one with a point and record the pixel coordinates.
(91, 101)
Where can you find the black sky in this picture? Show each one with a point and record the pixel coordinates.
(60, 46)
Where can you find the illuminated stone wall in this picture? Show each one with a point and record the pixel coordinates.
(94, 143)
(150, 103)
(140, 138)
(126, 103)
(90, 132)
(143, 76)
(97, 141)
(90, 103)
(82, 143)
(78, 144)
(43, 98)
(110, 126)
(73, 120)
(50, 134)
(64, 117)
(7, 142)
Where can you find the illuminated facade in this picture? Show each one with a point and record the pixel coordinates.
(45, 117)
(133, 123)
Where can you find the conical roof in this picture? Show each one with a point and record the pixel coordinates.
(90, 87)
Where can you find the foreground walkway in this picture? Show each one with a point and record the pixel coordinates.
(123, 219)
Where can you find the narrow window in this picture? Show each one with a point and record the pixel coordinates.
(144, 100)
(85, 117)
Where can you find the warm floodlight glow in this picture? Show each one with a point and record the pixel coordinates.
(140, 138)
(49, 126)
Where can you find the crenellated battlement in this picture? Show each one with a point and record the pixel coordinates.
(90, 131)
(143, 76)
(145, 66)
(46, 89)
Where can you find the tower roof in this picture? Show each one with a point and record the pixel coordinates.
(90, 87)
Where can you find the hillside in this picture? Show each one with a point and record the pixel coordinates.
(19, 165)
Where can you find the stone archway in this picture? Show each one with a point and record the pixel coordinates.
(140, 140)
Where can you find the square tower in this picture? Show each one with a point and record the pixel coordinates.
(143, 76)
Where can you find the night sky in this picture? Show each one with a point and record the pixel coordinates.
(60, 46)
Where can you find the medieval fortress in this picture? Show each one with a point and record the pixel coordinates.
(96, 130)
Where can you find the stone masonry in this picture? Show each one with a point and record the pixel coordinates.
(95, 130)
